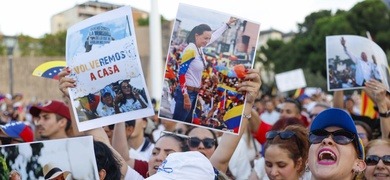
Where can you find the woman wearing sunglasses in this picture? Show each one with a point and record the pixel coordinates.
(378, 159)
(202, 140)
(335, 151)
(285, 153)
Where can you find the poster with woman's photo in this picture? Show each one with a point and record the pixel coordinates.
(70, 158)
(353, 60)
(102, 55)
(207, 58)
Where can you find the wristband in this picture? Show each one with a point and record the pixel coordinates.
(247, 116)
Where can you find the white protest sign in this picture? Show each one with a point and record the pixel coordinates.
(290, 80)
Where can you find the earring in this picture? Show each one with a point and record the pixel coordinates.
(307, 168)
(356, 171)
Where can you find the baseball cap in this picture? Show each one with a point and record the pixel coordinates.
(302, 97)
(17, 129)
(339, 118)
(190, 165)
(52, 106)
(106, 90)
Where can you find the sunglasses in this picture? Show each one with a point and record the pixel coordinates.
(283, 135)
(373, 160)
(194, 142)
(126, 86)
(341, 136)
(163, 133)
(362, 135)
(179, 131)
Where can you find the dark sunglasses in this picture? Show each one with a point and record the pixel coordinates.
(283, 135)
(341, 136)
(126, 86)
(179, 131)
(195, 142)
(373, 160)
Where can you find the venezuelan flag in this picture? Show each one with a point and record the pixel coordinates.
(188, 56)
(223, 101)
(232, 118)
(367, 106)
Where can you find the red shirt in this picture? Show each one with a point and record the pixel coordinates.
(141, 167)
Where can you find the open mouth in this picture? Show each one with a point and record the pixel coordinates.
(326, 156)
(381, 175)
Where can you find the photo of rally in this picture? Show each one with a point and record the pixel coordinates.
(353, 61)
(115, 98)
(203, 69)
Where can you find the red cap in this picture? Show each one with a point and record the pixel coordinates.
(53, 106)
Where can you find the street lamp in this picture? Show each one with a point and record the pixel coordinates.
(10, 43)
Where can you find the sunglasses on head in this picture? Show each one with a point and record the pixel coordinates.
(194, 142)
(163, 133)
(373, 160)
(283, 135)
(179, 131)
(341, 136)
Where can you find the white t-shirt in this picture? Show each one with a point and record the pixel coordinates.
(131, 174)
(131, 105)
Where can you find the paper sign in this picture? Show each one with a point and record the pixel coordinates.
(75, 157)
(207, 59)
(103, 57)
(353, 60)
(290, 80)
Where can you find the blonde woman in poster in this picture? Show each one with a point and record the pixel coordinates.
(191, 68)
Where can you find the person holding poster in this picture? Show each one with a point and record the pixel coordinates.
(191, 68)
(128, 98)
(106, 105)
(364, 68)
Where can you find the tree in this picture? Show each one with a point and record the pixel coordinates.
(308, 49)
(53, 44)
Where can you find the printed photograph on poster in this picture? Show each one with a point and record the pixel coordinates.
(207, 58)
(353, 60)
(70, 158)
(103, 57)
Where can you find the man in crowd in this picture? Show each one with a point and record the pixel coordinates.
(53, 119)
(137, 141)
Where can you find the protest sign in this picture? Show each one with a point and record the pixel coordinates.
(290, 80)
(208, 56)
(74, 158)
(353, 60)
(103, 57)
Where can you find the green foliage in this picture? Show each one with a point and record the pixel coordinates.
(145, 21)
(27, 45)
(4, 172)
(53, 44)
(308, 49)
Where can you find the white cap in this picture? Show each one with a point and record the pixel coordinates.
(191, 165)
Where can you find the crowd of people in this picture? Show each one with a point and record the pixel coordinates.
(308, 137)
